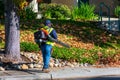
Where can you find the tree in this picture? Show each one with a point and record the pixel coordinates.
(12, 29)
(12, 32)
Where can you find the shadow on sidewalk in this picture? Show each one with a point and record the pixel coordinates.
(30, 71)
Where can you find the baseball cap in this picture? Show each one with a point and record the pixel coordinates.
(47, 22)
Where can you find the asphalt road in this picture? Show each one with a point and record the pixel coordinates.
(96, 78)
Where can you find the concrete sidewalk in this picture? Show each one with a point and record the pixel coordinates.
(58, 73)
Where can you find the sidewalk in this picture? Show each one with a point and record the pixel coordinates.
(58, 73)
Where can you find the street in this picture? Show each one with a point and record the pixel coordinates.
(96, 78)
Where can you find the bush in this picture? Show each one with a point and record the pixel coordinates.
(1, 9)
(29, 47)
(117, 11)
(27, 14)
(54, 10)
(84, 12)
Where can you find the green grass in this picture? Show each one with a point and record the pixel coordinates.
(1, 27)
(2, 45)
(29, 47)
(82, 55)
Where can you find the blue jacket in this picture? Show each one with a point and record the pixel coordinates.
(53, 34)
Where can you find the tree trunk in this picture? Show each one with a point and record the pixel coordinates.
(12, 32)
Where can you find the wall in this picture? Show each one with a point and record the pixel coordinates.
(111, 3)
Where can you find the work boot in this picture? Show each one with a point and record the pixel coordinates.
(46, 70)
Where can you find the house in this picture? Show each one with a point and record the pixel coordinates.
(70, 3)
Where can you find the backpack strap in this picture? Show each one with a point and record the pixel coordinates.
(50, 30)
(47, 30)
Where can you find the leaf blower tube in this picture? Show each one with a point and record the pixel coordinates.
(55, 40)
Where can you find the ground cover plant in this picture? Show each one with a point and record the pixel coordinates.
(89, 44)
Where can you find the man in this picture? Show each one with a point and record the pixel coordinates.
(46, 47)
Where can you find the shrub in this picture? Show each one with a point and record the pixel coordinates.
(29, 47)
(1, 9)
(54, 10)
(117, 11)
(84, 12)
(27, 14)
